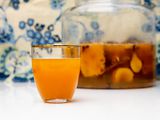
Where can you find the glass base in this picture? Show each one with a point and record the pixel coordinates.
(56, 101)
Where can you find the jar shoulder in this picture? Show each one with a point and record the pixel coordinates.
(109, 8)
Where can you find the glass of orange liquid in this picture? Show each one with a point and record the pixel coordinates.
(56, 70)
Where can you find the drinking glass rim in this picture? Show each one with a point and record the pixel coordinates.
(53, 45)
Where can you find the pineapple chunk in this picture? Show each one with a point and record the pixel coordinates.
(122, 75)
(92, 60)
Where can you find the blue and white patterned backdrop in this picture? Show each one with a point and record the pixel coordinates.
(22, 23)
(26, 22)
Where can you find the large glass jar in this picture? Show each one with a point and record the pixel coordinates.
(117, 43)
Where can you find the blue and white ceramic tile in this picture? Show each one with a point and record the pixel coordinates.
(22, 23)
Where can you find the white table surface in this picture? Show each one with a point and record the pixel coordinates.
(22, 102)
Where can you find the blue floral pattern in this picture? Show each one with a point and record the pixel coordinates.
(152, 5)
(57, 4)
(96, 33)
(15, 3)
(38, 33)
(15, 64)
(7, 35)
(93, 32)
(149, 4)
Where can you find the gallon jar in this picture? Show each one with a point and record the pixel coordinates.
(117, 43)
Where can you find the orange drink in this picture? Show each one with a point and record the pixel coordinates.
(56, 76)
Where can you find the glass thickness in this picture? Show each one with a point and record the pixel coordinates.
(56, 70)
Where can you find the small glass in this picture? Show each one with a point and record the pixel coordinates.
(56, 70)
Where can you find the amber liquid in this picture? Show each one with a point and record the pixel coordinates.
(117, 65)
(56, 78)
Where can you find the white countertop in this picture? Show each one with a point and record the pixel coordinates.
(22, 102)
